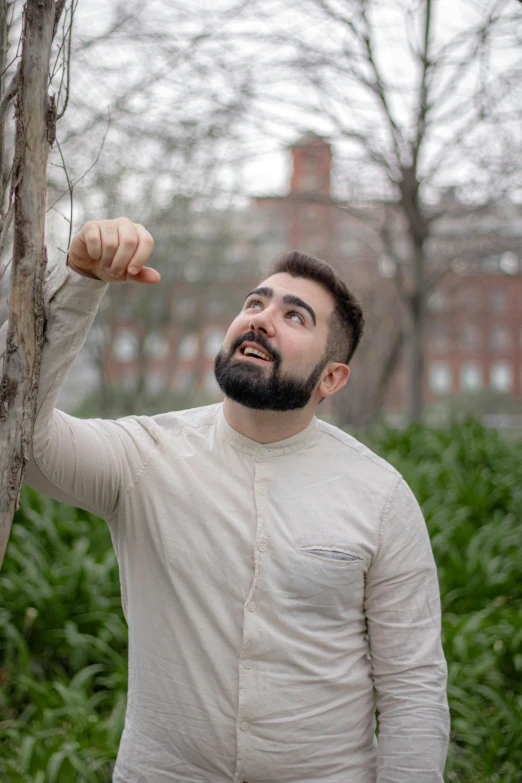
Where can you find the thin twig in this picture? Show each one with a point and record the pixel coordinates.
(60, 47)
(76, 182)
(67, 64)
(3, 237)
(9, 94)
(60, 5)
(71, 191)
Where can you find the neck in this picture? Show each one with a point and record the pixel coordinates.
(267, 426)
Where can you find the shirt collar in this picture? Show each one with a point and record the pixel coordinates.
(277, 449)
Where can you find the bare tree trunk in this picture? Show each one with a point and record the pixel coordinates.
(417, 314)
(3, 49)
(388, 370)
(35, 121)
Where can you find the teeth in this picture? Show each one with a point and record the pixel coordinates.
(255, 352)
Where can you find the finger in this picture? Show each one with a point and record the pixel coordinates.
(127, 244)
(143, 250)
(109, 240)
(90, 236)
(146, 275)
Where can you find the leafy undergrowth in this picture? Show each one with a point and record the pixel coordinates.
(468, 481)
(63, 638)
(63, 647)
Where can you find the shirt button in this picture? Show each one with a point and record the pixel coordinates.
(252, 606)
(262, 546)
(244, 726)
(248, 664)
(263, 490)
(263, 451)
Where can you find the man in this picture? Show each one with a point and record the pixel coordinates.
(275, 573)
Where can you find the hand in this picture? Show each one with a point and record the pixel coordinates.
(114, 251)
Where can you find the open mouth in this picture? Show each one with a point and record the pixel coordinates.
(255, 353)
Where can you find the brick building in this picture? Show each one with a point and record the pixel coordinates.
(474, 323)
(474, 328)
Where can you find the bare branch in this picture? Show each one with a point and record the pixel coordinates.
(71, 186)
(3, 239)
(10, 92)
(67, 64)
(71, 193)
(58, 9)
(423, 92)
(380, 90)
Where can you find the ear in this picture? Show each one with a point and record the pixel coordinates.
(335, 379)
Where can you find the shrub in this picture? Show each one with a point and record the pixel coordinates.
(468, 482)
(63, 638)
(63, 647)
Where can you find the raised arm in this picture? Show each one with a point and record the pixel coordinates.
(403, 613)
(86, 462)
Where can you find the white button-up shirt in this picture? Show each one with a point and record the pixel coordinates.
(271, 591)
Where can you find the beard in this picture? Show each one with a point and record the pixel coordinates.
(263, 388)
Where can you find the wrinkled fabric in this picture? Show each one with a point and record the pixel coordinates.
(273, 592)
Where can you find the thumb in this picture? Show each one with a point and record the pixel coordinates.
(146, 275)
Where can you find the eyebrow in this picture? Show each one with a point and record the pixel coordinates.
(290, 299)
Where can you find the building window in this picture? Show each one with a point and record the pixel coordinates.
(501, 376)
(213, 343)
(156, 345)
(498, 300)
(471, 377)
(155, 381)
(470, 338)
(438, 301)
(499, 338)
(509, 263)
(188, 346)
(308, 175)
(440, 378)
(125, 346)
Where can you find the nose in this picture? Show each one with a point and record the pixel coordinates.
(263, 322)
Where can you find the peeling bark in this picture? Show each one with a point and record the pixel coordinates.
(25, 336)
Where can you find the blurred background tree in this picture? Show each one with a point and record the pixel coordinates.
(420, 97)
(421, 105)
(181, 115)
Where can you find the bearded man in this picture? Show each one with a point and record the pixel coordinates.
(277, 576)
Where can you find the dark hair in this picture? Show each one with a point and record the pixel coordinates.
(347, 322)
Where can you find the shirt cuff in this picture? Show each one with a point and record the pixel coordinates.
(69, 289)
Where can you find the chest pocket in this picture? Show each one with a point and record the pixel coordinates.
(327, 580)
(336, 555)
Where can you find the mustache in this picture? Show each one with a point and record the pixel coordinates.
(256, 337)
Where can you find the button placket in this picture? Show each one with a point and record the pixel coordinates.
(262, 480)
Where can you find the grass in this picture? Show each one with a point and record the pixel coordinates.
(63, 639)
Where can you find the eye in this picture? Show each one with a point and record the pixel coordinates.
(252, 303)
(297, 315)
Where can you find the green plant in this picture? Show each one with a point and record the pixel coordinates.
(467, 480)
(63, 638)
(63, 647)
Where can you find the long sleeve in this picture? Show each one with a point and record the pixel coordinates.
(85, 463)
(402, 607)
